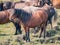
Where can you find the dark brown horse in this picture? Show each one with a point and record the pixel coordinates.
(4, 18)
(30, 18)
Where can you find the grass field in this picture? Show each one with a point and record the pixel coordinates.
(7, 36)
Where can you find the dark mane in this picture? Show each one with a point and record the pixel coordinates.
(23, 15)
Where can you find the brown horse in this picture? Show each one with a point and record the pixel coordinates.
(4, 18)
(56, 3)
(30, 18)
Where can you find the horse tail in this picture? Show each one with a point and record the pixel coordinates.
(55, 16)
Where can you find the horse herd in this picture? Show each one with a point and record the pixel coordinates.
(28, 16)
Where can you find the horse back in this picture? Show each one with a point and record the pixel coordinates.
(37, 18)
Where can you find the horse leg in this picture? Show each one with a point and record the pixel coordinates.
(43, 28)
(27, 34)
(15, 33)
(18, 28)
(44, 31)
(41, 32)
(50, 21)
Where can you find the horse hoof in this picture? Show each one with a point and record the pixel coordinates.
(15, 34)
(24, 37)
(27, 40)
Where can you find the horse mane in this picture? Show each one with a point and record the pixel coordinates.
(23, 15)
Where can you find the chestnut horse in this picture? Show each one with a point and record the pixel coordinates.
(30, 18)
(4, 18)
